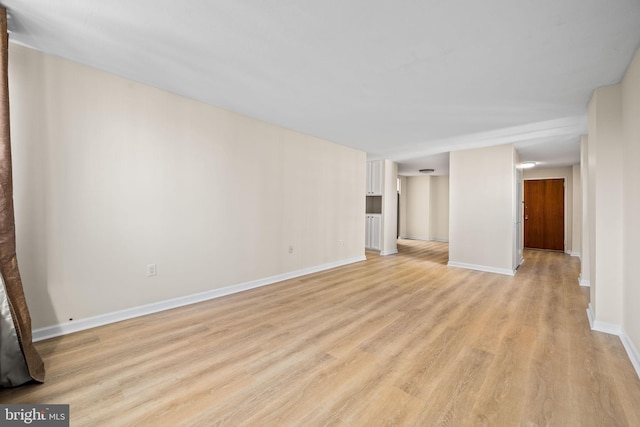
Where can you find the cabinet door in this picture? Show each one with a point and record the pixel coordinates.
(376, 232)
(373, 232)
(367, 231)
(374, 178)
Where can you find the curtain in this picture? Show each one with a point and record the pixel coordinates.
(19, 360)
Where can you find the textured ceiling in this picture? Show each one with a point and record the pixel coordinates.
(404, 80)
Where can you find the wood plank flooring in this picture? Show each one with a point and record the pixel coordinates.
(397, 340)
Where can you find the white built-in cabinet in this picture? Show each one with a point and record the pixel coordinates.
(375, 186)
(373, 234)
(375, 178)
(381, 206)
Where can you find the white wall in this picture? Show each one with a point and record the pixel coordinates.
(576, 219)
(518, 212)
(631, 207)
(565, 173)
(610, 194)
(424, 208)
(591, 199)
(111, 175)
(390, 209)
(402, 232)
(585, 252)
(418, 193)
(482, 208)
(439, 209)
(605, 204)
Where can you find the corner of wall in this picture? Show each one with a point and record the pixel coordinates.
(632, 351)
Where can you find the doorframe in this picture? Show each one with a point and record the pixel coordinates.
(565, 180)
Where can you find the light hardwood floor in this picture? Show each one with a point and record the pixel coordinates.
(396, 340)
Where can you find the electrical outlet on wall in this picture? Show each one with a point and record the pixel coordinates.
(152, 270)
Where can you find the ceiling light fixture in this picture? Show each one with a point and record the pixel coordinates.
(527, 165)
(426, 170)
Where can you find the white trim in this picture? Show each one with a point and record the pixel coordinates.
(21, 43)
(421, 238)
(583, 282)
(486, 268)
(425, 239)
(590, 315)
(391, 252)
(129, 313)
(632, 351)
(607, 328)
(600, 326)
(575, 254)
(613, 329)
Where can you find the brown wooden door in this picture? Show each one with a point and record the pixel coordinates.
(544, 214)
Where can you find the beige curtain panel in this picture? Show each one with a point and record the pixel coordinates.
(19, 360)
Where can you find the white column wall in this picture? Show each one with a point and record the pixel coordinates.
(605, 149)
(482, 209)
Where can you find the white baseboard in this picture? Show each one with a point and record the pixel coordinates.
(583, 282)
(632, 351)
(485, 268)
(590, 316)
(607, 328)
(422, 238)
(391, 252)
(613, 329)
(425, 239)
(129, 313)
(600, 326)
(575, 254)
